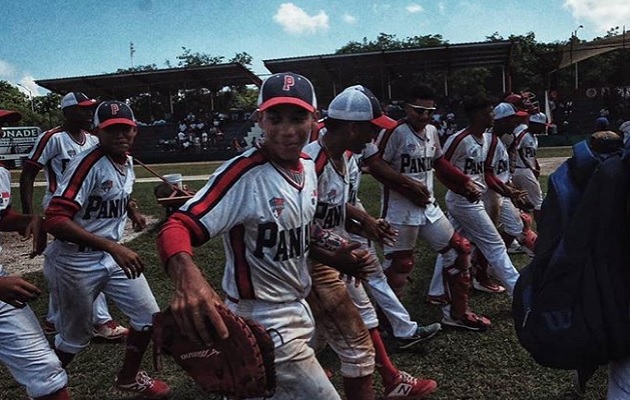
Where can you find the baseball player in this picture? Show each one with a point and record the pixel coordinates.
(413, 149)
(354, 119)
(23, 347)
(527, 168)
(500, 200)
(52, 152)
(468, 150)
(263, 203)
(87, 215)
(397, 320)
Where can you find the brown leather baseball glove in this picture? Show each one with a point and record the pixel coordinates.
(238, 367)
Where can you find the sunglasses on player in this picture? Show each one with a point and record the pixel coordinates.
(421, 110)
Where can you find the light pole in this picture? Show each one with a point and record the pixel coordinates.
(30, 95)
(574, 38)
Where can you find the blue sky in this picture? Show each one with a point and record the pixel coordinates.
(55, 39)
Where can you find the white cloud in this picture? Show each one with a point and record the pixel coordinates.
(441, 8)
(28, 81)
(349, 19)
(295, 20)
(603, 15)
(13, 75)
(6, 70)
(414, 8)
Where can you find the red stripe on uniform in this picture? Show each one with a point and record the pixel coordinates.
(493, 146)
(320, 162)
(78, 176)
(242, 269)
(382, 143)
(458, 139)
(52, 177)
(385, 201)
(199, 233)
(224, 182)
(41, 145)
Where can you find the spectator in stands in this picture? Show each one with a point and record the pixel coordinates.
(182, 137)
(204, 140)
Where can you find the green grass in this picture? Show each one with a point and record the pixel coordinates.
(466, 365)
(545, 152)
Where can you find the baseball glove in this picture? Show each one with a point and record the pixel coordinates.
(241, 366)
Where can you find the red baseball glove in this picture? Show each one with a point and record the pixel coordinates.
(238, 367)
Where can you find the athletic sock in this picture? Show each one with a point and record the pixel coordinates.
(384, 365)
(137, 343)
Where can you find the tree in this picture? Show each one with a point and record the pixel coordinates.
(138, 68)
(243, 58)
(196, 59)
(386, 41)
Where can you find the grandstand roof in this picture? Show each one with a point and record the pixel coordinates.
(127, 84)
(333, 72)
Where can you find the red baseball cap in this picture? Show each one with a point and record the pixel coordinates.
(10, 116)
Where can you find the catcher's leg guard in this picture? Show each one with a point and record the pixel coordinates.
(457, 288)
(399, 270)
(457, 280)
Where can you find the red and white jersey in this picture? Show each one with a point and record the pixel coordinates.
(498, 158)
(53, 151)
(468, 153)
(264, 218)
(333, 189)
(412, 154)
(526, 147)
(96, 191)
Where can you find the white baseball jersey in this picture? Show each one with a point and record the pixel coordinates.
(498, 158)
(264, 218)
(5, 197)
(526, 147)
(412, 154)
(53, 151)
(333, 188)
(468, 153)
(96, 191)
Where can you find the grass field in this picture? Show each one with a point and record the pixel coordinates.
(466, 365)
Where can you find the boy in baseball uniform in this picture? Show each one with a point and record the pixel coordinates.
(52, 152)
(263, 203)
(87, 215)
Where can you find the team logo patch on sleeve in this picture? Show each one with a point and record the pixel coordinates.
(106, 186)
(6, 198)
(277, 205)
(411, 147)
(72, 153)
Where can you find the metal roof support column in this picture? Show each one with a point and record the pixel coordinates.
(446, 83)
(503, 78)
